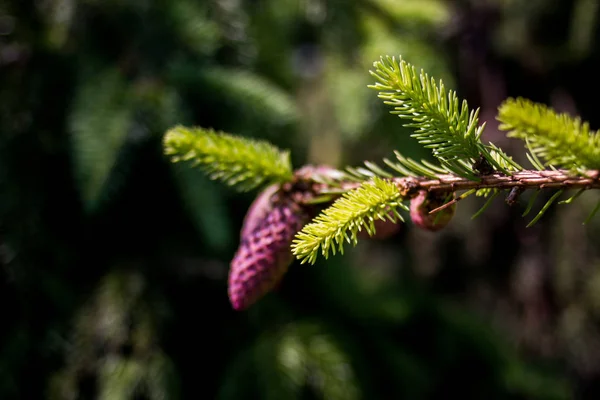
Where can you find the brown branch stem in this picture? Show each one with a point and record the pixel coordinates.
(522, 180)
(528, 179)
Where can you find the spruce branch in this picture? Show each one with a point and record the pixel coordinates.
(559, 139)
(563, 151)
(240, 162)
(363, 203)
(437, 182)
(527, 179)
(355, 210)
(443, 124)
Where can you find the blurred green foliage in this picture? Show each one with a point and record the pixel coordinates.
(114, 261)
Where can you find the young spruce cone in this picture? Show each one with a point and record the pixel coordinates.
(420, 207)
(258, 211)
(264, 254)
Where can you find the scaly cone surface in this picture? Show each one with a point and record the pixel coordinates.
(264, 254)
(258, 211)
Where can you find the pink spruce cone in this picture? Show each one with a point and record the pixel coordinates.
(420, 207)
(258, 211)
(269, 227)
(264, 254)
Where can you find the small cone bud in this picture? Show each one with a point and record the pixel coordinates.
(420, 207)
(264, 256)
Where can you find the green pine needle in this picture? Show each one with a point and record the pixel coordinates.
(561, 140)
(355, 210)
(545, 208)
(530, 203)
(240, 162)
(487, 203)
(573, 198)
(443, 124)
(592, 214)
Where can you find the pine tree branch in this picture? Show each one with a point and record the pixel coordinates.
(443, 124)
(358, 204)
(349, 214)
(527, 179)
(561, 140)
(237, 161)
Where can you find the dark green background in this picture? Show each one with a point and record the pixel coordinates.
(113, 275)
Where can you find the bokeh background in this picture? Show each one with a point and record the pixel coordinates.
(114, 262)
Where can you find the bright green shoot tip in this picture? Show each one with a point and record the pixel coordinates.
(355, 210)
(239, 162)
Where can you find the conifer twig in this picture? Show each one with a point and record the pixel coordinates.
(527, 179)
(240, 162)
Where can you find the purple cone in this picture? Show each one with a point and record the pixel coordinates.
(264, 255)
(258, 211)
